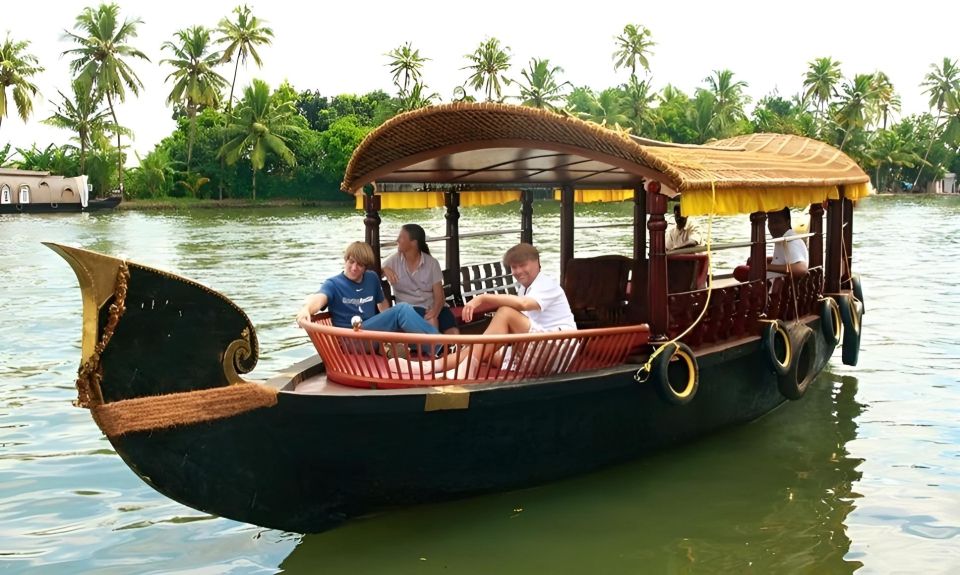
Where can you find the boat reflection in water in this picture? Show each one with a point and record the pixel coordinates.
(776, 500)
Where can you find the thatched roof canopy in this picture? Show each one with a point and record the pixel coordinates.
(501, 145)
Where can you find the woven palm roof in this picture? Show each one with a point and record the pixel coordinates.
(495, 144)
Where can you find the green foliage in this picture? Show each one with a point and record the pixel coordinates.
(259, 129)
(488, 66)
(338, 144)
(777, 115)
(16, 67)
(371, 109)
(407, 63)
(101, 59)
(195, 84)
(153, 177)
(727, 116)
(633, 47)
(539, 87)
(675, 117)
(242, 37)
(59, 161)
(6, 156)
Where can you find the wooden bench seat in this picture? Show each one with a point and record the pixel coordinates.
(476, 279)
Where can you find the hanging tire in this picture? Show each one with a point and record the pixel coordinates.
(795, 382)
(776, 347)
(851, 313)
(831, 324)
(676, 374)
(858, 291)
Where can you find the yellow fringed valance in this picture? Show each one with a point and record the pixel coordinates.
(590, 196)
(425, 200)
(748, 200)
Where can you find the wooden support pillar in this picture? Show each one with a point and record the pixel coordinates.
(526, 216)
(639, 223)
(816, 240)
(657, 272)
(834, 240)
(371, 223)
(758, 246)
(451, 200)
(566, 228)
(847, 254)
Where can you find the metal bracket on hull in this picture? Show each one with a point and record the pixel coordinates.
(447, 397)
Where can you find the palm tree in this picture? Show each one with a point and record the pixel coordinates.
(886, 98)
(416, 98)
(639, 99)
(86, 118)
(889, 153)
(16, 66)
(605, 109)
(856, 105)
(195, 82)
(100, 63)
(488, 63)
(259, 127)
(406, 62)
(820, 82)
(633, 47)
(941, 83)
(193, 183)
(951, 129)
(242, 38)
(157, 170)
(539, 87)
(701, 116)
(729, 100)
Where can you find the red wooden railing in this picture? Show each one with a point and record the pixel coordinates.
(734, 311)
(369, 359)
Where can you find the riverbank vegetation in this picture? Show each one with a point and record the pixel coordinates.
(286, 142)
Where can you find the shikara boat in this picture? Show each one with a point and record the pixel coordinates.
(30, 191)
(663, 355)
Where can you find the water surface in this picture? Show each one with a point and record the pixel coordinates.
(863, 474)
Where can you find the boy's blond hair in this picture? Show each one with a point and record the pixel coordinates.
(360, 252)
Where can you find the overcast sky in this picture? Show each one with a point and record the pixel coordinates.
(338, 46)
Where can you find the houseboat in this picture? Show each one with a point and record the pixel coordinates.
(31, 191)
(666, 350)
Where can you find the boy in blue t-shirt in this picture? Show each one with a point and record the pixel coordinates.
(357, 292)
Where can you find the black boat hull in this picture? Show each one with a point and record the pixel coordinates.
(305, 462)
(70, 208)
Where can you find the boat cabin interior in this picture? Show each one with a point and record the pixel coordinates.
(625, 304)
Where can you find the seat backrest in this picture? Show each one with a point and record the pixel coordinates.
(686, 272)
(597, 289)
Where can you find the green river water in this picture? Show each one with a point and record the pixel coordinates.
(862, 474)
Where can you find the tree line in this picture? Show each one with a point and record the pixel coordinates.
(299, 142)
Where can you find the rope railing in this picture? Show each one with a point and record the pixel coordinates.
(729, 246)
(383, 360)
(462, 235)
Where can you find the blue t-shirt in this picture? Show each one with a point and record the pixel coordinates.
(347, 298)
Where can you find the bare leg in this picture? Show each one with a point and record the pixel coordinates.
(507, 320)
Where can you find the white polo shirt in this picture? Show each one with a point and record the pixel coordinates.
(790, 251)
(554, 313)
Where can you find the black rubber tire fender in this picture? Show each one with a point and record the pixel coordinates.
(851, 313)
(795, 382)
(831, 324)
(776, 347)
(857, 288)
(674, 363)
